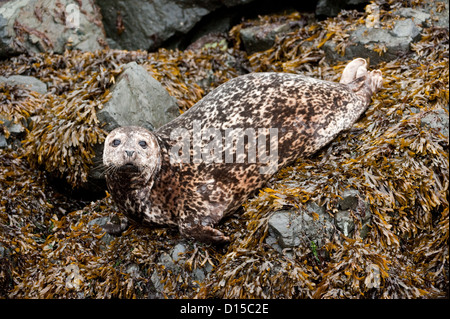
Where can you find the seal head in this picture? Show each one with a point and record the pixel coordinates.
(132, 156)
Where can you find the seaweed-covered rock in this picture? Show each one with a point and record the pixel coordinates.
(438, 120)
(388, 38)
(11, 133)
(49, 26)
(439, 12)
(18, 95)
(392, 161)
(261, 38)
(11, 127)
(27, 82)
(350, 207)
(315, 226)
(291, 229)
(378, 44)
(176, 263)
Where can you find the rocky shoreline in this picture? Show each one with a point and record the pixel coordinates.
(367, 217)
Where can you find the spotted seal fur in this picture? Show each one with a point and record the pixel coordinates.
(194, 196)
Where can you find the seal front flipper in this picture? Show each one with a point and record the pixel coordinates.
(204, 233)
(116, 225)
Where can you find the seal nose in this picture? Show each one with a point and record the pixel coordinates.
(129, 153)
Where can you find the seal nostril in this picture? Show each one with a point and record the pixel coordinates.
(129, 153)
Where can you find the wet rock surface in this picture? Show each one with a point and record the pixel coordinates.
(437, 120)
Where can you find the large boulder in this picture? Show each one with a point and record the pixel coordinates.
(138, 99)
(49, 26)
(146, 24)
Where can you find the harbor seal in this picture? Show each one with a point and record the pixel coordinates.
(189, 175)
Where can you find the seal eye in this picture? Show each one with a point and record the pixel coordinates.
(143, 144)
(115, 142)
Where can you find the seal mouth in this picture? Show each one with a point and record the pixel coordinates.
(129, 168)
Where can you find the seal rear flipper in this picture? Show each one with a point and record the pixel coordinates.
(354, 70)
(116, 225)
(362, 82)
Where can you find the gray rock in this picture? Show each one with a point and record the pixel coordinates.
(157, 290)
(262, 37)
(133, 270)
(406, 28)
(438, 19)
(3, 142)
(173, 262)
(344, 222)
(438, 120)
(15, 128)
(102, 222)
(16, 133)
(331, 8)
(146, 24)
(419, 17)
(166, 260)
(49, 26)
(27, 82)
(292, 229)
(349, 199)
(178, 251)
(138, 99)
(288, 229)
(283, 226)
(343, 219)
(396, 42)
